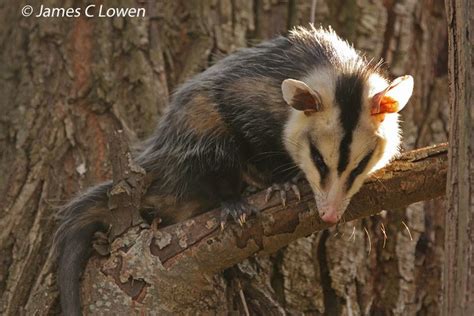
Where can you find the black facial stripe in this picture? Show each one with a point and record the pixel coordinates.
(349, 89)
(358, 170)
(318, 161)
(344, 152)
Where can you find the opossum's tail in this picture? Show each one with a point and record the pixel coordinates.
(80, 220)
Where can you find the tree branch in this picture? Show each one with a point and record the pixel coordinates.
(172, 269)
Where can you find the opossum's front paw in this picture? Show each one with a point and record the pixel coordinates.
(283, 188)
(238, 209)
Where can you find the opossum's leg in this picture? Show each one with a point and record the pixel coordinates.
(151, 204)
(150, 215)
(227, 188)
(239, 209)
(285, 187)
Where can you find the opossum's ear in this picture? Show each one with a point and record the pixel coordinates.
(394, 97)
(301, 97)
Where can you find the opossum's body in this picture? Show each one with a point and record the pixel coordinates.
(245, 119)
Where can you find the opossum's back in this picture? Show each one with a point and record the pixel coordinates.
(281, 58)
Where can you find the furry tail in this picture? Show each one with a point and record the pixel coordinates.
(81, 219)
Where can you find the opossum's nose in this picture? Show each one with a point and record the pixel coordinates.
(330, 215)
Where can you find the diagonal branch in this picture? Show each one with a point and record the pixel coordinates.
(179, 262)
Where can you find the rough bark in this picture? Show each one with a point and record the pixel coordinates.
(458, 272)
(67, 84)
(173, 269)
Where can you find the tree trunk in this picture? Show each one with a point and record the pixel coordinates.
(68, 83)
(458, 273)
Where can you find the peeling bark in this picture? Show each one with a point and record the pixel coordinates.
(66, 84)
(174, 268)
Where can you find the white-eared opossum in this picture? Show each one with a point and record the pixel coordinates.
(307, 102)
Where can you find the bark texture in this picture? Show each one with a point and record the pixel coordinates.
(458, 273)
(68, 84)
(173, 269)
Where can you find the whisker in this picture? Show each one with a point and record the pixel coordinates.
(408, 230)
(382, 228)
(284, 170)
(265, 155)
(316, 187)
(379, 181)
(292, 141)
(286, 164)
(352, 234)
(370, 241)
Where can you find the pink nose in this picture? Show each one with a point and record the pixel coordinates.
(330, 217)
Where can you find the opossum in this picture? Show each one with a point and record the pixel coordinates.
(308, 102)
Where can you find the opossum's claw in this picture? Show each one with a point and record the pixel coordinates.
(283, 188)
(238, 209)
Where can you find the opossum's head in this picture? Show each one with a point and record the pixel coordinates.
(342, 127)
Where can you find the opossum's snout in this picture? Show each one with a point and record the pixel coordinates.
(331, 205)
(329, 213)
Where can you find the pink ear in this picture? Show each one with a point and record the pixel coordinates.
(301, 97)
(394, 97)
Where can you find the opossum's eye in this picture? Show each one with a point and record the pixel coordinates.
(318, 161)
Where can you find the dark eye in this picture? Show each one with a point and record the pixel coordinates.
(318, 161)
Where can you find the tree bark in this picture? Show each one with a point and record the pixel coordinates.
(172, 269)
(458, 276)
(68, 83)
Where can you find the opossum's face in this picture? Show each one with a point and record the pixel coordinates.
(342, 127)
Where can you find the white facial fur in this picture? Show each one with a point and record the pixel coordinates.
(324, 130)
